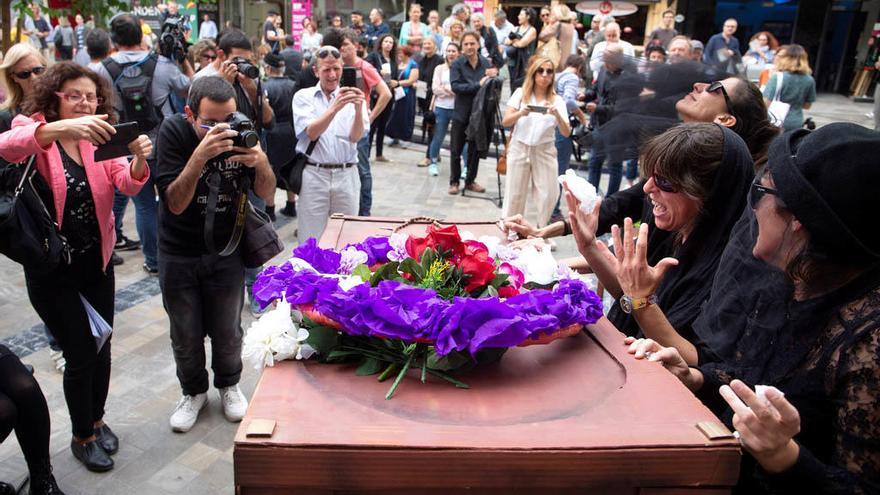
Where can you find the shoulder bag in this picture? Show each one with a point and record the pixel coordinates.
(28, 234)
(778, 109)
(291, 173)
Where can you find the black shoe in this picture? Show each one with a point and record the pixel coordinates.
(126, 244)
(289, 209)
(7, 489)
(43, 483)
(270, 212)
(92, 455)
(150, 271)
(116, 259)
(107, 439)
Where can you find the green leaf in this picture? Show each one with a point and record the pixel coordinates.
(340, 355)
(362, 271)
(369, 366)
(453, 360)
(410, 266)
(499, 280)
(387, 272)
(428, 257)
(323, 339)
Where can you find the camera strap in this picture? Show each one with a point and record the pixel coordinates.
(259, 109)
(241, 203)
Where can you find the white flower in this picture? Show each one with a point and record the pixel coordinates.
(347, 283)
(491, 242)
(563, 271)
(351, 258)
(299, 264)
(582, 190)
(467, 235)
(275, 337)
(397, 241)
(538, 265)
(506, 254)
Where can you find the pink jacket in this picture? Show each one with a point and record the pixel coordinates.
(19, 143)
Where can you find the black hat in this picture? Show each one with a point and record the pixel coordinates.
(829, 179)
(273, 60)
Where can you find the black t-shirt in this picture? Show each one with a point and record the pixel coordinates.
(80, 225)
(183, 234)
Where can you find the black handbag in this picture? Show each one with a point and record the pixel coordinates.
(292, 171)
(253, 229)
(28, 234)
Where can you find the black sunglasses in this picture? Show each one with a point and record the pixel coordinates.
(327, 51)
(543, 71)
(716, 86)
(25, 74)
(757, 191)
(664, 184)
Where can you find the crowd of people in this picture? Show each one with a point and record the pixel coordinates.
(739, 258)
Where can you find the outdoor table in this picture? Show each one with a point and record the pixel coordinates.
(578, 415)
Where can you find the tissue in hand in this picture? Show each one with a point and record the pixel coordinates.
(582, 190)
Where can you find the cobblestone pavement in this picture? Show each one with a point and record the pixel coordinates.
(144, 389)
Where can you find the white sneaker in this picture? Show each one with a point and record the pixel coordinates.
(187, 412)
(58, 359)
(234, 403)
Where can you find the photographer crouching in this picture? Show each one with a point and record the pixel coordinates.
(206, 156)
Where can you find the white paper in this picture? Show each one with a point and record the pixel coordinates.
(101, 330)
(399, 93)
(421, 89)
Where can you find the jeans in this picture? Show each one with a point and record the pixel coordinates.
(202, 296)
(366, 177)
(594, 171)
(564, 149)
(444, 115)
(632, 170)
(56, 298)
(473, 155)
(146, 220)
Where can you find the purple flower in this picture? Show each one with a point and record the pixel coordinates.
(377, 249)
(351, 257)
(323, 260)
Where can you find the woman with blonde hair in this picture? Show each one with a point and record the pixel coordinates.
(456, 30)
(535, 111)
(203, 53)
(21, 67)
(796, 84)
(558, 27)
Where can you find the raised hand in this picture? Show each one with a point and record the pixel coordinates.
(637, 278)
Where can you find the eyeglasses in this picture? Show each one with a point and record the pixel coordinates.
(209, 57)
(716, 86)
(757, 191)
(664, 184)
(545, 15)
(78, 98)
(327, 51)
(26, 74)
(543, 71)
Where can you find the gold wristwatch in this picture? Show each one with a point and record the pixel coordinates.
(629, 304)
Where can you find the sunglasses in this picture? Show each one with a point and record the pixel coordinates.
(757, 191)
(77, 98)
(327, 51)
(717, 86)
(664, 184)
(25, 74)
(209, 57)
(545, 15)
(543, 71)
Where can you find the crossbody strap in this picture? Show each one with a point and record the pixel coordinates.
(778, 85)
(211, 214)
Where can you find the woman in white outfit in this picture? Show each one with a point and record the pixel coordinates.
(536, 111)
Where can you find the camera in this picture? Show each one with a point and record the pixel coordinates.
(514, 36)
(246, 67)
(247, 135)
(172, 39)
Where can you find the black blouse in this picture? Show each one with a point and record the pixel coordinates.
(80, 224)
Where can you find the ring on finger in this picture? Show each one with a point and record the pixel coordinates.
(737, 436)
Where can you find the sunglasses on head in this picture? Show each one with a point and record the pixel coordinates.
(25, 74)
(664, 184)
(757, 191)
(328, 51)
(717, 86)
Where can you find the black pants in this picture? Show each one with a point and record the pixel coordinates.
(55, 297)
(203, 297)
(23, 409)
(377, 128)
(473, 156)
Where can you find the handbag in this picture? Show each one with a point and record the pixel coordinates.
(501, 165)
(28, 234)
(291, 173)
(778, 109)
(253, 229)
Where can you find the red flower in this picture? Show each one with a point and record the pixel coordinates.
(507, 291)
(415, 246)
(445, 239)
(479, 269)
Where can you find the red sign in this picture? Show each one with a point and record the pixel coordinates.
(605, 8)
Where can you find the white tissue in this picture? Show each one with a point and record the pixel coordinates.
(582, 190)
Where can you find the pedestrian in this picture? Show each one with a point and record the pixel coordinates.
(384, 60)
(520, 44)
(335, 22)
(679, 50)
(444, 103)
(427, 65)
(456, 30)
(403, 117)
(793, 83)
(64, 38)
(201, 289)
(535, 112)
(568, 88)
(204, 53)
(501, 26)
(612, 35)
(335, 119)
(293, 59)
(414, 29)
(762, 49)
(279, 91)
(434, 28)
(460, 13)
(723, 47)
(65, 116)
(208, 28)
(311, 39)
(467, 74)
(357, 22)
(80, 32)
(662, 35)
(377, 26)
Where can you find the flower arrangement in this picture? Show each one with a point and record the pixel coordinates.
(440, 303)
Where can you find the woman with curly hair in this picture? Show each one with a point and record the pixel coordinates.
(67, 114)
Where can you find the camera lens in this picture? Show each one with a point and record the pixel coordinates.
(249, 139)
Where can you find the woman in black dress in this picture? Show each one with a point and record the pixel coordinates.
(384, 59)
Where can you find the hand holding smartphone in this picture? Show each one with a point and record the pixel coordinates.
(118, 144)
(537, 109)
(349, 77)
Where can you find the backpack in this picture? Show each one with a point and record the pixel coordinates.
(132, 82)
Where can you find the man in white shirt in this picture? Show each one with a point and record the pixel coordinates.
(208, 28)
(612, 35)
(502, 27)
(336, 119)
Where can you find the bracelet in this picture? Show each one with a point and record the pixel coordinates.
(566, 227)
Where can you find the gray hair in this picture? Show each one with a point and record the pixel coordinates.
(459, 7)
(500, 14)
(478, 16)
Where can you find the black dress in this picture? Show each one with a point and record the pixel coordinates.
(281, 138)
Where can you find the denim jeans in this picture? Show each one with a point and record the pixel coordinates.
(632, 169)
(594, 171)
(202, 296)
(366, 203)
(444, 115)
(564, 149)
(146, 220)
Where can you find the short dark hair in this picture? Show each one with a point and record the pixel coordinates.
(43, 97)
(98, 44)
(667, 11)
(271, 12)
(125, 30)
(233, 38)
(688, 155)
(655, 48)
(289, 41)
(336, 36)
(213, 88)
(357, 12)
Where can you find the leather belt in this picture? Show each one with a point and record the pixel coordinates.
(331, 165)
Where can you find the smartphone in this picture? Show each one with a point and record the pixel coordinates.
(118, 144)
(537, 108)
(349, 77)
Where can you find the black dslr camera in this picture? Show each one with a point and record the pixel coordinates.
(513, 36)
(247, 134)
(172, 39)
(246, 67)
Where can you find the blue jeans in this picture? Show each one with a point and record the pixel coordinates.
(444, 115)
(594, 171)
(146, 220)
(564, 149)
(366, 177)
(632, 169)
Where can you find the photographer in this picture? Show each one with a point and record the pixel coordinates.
(160, 77)
(202, 291)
